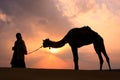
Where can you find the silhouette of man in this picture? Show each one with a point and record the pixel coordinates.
(19, 48)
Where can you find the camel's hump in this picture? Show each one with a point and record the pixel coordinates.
(87, 28)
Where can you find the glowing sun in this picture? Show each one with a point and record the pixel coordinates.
(53, 50)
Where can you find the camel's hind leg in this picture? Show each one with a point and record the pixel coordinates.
(98, 51)
(99, 47)
(106, 56)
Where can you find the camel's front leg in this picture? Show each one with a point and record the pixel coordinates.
(75, 57)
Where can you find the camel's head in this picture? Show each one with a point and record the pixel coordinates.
(46, 43)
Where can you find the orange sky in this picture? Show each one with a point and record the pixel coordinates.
(52, 19)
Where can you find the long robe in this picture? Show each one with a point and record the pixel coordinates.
(18, 59)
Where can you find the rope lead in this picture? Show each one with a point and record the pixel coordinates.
(35, 50)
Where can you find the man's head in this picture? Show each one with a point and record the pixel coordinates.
(18, 36)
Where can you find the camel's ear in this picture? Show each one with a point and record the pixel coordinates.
(47, 39)
(44, 40)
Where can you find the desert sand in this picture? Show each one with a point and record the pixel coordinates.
(57, 74)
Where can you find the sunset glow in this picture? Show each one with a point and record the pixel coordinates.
(54, 51)
(41, 19)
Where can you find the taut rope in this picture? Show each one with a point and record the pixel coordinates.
(35, 50)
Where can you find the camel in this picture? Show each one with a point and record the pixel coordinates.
(78, 37)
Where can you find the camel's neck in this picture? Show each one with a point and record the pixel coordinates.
(57, 44)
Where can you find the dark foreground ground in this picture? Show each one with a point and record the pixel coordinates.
(57, 74)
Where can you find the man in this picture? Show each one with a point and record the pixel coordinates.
(19, 48)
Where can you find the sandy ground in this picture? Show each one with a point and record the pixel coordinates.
(57, 74)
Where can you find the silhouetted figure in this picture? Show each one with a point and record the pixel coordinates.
(78, 37)
(19, 48)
